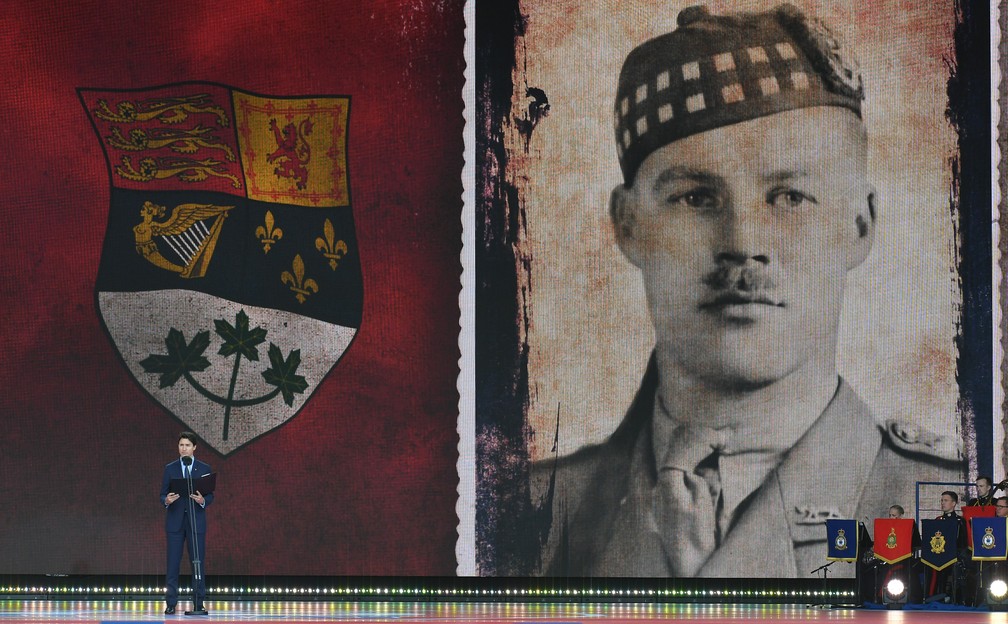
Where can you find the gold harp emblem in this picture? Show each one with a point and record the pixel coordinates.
(190, 233)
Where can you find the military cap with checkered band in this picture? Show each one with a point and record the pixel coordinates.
(717, 70)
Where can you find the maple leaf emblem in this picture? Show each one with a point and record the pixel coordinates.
(240, 341)
(182, 358)
(282, 373)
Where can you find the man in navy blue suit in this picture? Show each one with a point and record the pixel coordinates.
(179, 525)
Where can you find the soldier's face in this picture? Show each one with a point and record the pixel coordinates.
(744, 236)
(1002, 509)
(894, 513)
(947, 503)
(983, 487)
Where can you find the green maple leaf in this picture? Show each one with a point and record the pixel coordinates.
(182, 357)
(238, 338)
(282, 373)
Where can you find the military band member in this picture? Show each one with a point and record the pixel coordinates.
(944, 581)
(745, 202)
(985, 492)
(896, 511)
(984, 497)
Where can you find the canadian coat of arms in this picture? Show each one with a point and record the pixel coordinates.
(229, 280)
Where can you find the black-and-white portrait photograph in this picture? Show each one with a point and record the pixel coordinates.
(724, 289)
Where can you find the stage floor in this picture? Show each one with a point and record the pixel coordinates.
(18, 611)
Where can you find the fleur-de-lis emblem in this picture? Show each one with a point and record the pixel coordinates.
(331, 248)
(268, 235)
(301, 287)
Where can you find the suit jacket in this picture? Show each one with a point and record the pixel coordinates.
(176, 512)
(845, 466)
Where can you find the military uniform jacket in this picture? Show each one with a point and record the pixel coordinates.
(845, 466)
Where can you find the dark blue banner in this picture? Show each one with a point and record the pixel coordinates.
(989, 542)
(841, 540)
(938, 542)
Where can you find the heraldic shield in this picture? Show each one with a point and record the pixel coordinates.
(230, 278)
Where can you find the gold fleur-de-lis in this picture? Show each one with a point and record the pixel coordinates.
(331, 248)
(268, 235)
(301, 287)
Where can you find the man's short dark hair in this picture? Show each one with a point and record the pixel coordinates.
(187, 435)
(951, 495)
(985, 478)
(999, 499)
(898, 508)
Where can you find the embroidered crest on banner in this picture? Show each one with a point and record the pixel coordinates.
(987, 541)
(938, 543)
(891, 540)
(230, 278)
(841, 540)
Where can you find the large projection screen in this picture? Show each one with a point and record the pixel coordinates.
(567, 307)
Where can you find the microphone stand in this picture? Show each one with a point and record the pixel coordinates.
(824, 568)
(198, 608)
(825, 571)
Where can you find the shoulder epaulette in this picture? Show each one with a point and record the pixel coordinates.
(910, 438)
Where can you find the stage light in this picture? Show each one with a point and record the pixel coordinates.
(998, 589)
(997, 595)
(895, 595)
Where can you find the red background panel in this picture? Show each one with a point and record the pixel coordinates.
(363, 480)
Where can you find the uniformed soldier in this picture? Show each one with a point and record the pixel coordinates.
(985, 492)
(998, 569)
(947, 581)
(985, 496)
(745, 203)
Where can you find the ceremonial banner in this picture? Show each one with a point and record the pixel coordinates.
(938, 543)
(979, 511)
(230, 278)
(894, 538)
(989, 538)
(842, 540)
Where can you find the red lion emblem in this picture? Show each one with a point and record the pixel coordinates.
(293, 151)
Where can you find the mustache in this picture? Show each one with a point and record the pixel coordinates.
(740, 283)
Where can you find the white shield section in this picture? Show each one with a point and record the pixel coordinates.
(139, 322)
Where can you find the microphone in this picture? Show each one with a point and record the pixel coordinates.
(187, 462)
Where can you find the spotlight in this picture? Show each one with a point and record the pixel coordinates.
(998, 589)
(894, 596)
(997, 594)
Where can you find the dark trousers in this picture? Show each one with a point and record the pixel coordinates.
(175, 541)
